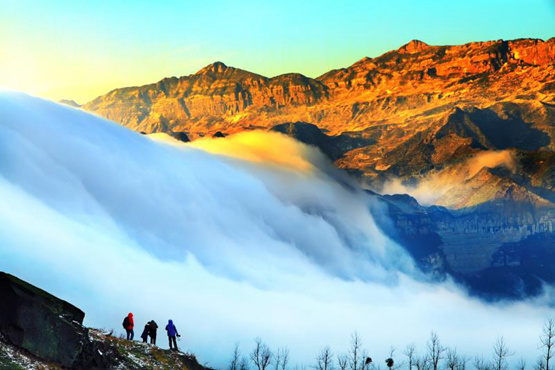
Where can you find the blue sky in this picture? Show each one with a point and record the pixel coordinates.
(80, 49)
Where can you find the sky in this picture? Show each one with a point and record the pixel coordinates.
(81, 49)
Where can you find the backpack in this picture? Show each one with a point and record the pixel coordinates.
(125, 322)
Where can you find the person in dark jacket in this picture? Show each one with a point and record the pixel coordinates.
(144, 335)
(172, 333)
(152, 328)
(128, 325)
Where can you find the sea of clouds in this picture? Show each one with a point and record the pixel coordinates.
(253, 235)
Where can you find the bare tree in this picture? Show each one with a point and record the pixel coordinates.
(410, 353)
(452, 359)
(480, 363)
(281, 359)
(521, 364)
(463, 360)
(244, 364)
(435, 351)
(324, 360)
(540, 364)
(422, 363)
(547, 340)
(236, 359)
(500, 353)
(342, 362)
(261, 355)
(356, 361)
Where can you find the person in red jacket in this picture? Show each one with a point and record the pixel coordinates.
(128, 325)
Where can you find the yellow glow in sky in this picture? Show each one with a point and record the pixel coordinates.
(62, 49)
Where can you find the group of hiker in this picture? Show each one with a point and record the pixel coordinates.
(150, 331)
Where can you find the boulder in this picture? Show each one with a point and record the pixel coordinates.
(181, 136)
(40, 323)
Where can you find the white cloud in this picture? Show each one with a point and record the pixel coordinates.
(230, 248)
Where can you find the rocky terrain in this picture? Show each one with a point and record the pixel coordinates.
(40, 331)
(499, 249)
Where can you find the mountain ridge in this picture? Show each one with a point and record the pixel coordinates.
(532, 52)
(444, 104)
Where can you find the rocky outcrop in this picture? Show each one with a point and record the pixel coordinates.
(415, 46)
(39, 330)
(40, 323)
(181, 136)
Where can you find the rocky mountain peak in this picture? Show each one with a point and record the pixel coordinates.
(215, 68)
(414, 46)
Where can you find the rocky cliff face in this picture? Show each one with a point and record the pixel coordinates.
(501, 248)
(409, 112)
(215, 98)
(40, 331)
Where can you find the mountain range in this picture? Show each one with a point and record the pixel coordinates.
(468, 130)
(404, 115)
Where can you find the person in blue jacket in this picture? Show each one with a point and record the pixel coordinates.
(172, 333)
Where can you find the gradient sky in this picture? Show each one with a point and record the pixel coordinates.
(80, 49)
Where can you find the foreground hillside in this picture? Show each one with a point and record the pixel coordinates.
(403, 115)
(47, 342)
(119, 354)
(40, 331)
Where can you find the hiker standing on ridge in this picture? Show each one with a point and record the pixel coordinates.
(128, 325)
(152, 327)
(172, 333)
(144, 335)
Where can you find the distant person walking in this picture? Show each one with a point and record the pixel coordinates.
(152, 328)
(128, 325)
(172, 333)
